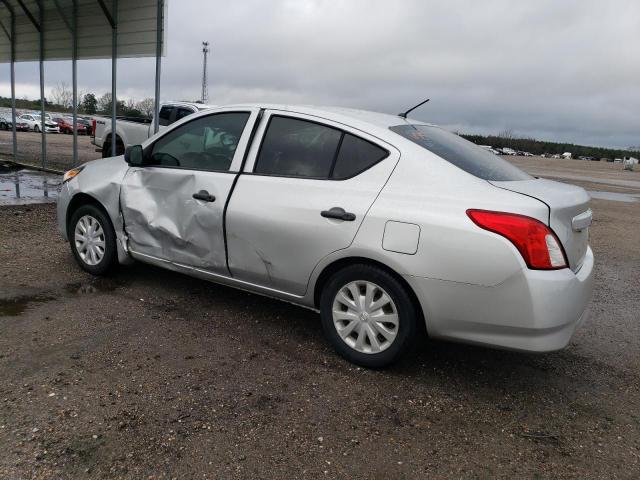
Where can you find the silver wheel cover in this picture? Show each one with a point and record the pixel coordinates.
(89, 240)
(365, 317)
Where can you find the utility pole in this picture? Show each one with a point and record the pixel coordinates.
(205, 93)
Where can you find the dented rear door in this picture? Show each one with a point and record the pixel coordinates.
(173, 209)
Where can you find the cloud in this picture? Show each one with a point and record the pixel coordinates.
(555, 70)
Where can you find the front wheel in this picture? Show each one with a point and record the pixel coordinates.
(107, 152)
(368, 316)
(36, 129)
(93, 240)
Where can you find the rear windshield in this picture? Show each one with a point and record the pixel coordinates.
(462, 153)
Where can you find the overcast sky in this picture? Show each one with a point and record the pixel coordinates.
(551, 69)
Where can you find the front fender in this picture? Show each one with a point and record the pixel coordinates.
(101, 180)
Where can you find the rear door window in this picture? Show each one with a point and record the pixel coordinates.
(182, 112)
(293, 147)
(461, 153)
(165, 115)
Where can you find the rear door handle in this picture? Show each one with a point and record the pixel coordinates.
(339, 214)
(204, 196)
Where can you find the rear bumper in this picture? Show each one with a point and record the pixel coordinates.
(534, 310)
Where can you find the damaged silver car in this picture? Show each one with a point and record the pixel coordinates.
(389, 227)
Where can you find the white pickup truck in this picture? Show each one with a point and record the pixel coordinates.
(134, 131)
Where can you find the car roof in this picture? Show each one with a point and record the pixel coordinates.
(199, 106)
(356, 118)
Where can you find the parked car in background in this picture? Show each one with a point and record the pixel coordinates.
(66, 125)
(34, 123)
(509, 151)
(556, 155)
(88, 125)
(384, 225)
(489, 148)
(132, 131)
(5, 123)
(21, 125)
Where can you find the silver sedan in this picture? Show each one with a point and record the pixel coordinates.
(389, 227)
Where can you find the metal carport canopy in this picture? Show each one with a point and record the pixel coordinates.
(39, 30)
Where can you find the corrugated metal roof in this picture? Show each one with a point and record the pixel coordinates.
(136, 29)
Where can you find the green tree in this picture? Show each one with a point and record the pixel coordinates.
(104, 105)
(89, 104)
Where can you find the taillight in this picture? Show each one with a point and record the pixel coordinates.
(93, 127)
(536, 242)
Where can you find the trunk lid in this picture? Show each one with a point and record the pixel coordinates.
(569, 212)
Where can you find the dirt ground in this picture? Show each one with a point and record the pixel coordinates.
(152, 374)
(59, 148)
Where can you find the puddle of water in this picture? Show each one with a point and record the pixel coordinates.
(613, 196)
(23, 187)
(14, 306)
(18, 301)
(94, 286)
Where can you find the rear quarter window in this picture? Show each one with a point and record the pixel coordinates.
(461, 153)
(356, 155)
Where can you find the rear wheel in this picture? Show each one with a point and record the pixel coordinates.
(36, 129)
(106, 149)
(368, 316)
(92, 240)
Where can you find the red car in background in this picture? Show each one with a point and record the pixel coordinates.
(66, 125)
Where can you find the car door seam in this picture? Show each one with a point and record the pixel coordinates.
(252, 135)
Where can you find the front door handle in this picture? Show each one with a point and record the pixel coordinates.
(204, 196)
(338, 213)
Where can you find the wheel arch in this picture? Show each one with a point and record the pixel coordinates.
(106, 144)
(80, 199)
(344, 262)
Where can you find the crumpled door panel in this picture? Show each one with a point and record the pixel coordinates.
(163, 219)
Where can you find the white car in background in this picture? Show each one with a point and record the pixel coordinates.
(34, 121)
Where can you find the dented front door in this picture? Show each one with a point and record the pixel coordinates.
(173, 209)
(164, 220)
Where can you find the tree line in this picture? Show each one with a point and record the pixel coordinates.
(61, 100)
(538, 147)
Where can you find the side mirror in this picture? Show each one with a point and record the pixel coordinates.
(134, 155)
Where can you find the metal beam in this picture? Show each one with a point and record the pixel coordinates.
(62, 15)
(156, 103)
(112, 19)
(13, 86)
(12, 39)
(73, 28)
(114, 72)
(43, 144)
(4, 29)
(26, 11)
(74, 78)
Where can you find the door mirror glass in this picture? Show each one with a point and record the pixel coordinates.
(133, 155)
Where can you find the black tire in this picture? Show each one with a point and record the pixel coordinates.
(110, 257)
(407, 329)
(106, 149)
(36, 129)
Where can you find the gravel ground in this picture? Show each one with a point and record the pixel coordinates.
(151, 374)
(59, 149)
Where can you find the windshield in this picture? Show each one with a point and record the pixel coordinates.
(462, 153)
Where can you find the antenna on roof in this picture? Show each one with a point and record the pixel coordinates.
(404, 115)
